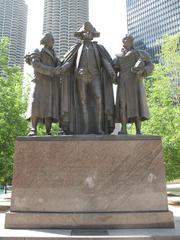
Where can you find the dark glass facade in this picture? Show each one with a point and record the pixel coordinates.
(149, 20)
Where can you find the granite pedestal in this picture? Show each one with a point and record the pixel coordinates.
(89, 182)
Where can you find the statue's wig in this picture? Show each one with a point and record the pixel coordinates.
(46, 38)
(128, 36)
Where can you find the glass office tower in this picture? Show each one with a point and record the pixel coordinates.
(149, 20)
(63, 18)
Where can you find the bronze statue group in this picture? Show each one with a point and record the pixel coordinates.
(77, 92)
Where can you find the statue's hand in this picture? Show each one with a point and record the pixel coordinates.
(28, 59)
(140, 72)
(112, 75)
(60, 70)
(57, 70)
(137, 71)
(63, 69)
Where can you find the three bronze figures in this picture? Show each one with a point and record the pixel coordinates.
(78, 91)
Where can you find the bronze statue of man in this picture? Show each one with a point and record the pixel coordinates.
(44, 97)
(87, 93)
(131, 66)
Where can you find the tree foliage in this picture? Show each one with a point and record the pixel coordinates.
(164, 105)
(12, 107)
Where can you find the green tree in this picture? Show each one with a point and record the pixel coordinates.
(163, 100)
(12, 108)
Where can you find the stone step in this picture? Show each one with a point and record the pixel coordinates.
(90, 237)
(91, 234)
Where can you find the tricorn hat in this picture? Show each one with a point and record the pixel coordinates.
(82, 30)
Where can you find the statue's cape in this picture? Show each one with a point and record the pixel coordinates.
(71, 113)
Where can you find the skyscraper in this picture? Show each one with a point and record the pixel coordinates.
(13, 24)
(149, 20)
(63, 18)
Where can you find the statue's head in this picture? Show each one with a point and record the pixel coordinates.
(87, 32)
(128, 41)
(47, 40)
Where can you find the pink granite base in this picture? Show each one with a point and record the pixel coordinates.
(89, 220)
(104, 180)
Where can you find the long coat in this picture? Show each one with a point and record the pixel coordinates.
(131, 96)
(44, 95)
(71, 112)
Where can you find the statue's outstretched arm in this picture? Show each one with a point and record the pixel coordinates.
(42, 68)
(109, 68)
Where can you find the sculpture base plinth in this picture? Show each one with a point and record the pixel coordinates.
(89, 182)
(89, 220)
